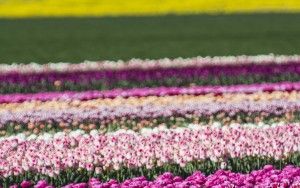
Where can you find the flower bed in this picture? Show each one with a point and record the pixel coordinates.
(222, 120)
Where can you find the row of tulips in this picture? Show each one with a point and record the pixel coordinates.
(268, 176)
(144, 92)
(149, 110)
(150, 100)
(144, 131)
(109, 118)
(139, 125)
(146, 64)
(102, 80)
(78, 157)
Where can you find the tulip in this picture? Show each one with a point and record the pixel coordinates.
(41, 184)
(26, 184)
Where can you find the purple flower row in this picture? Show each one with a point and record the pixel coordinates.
(139, 75)
(266, 177)
(143, 92)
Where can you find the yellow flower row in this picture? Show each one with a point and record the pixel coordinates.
(32, 8)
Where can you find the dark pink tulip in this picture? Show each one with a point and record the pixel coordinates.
(80, 185)
(69, 185)
(41, 184)
(26, 184)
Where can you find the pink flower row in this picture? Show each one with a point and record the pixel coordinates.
(143, 92)
(113, 151)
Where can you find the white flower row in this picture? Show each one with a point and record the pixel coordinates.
(145, 64)
(143, 131)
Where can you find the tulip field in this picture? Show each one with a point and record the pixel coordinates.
(224, 121)
(25, 8)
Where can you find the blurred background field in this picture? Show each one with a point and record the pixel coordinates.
(52, 31)
(78, 39)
